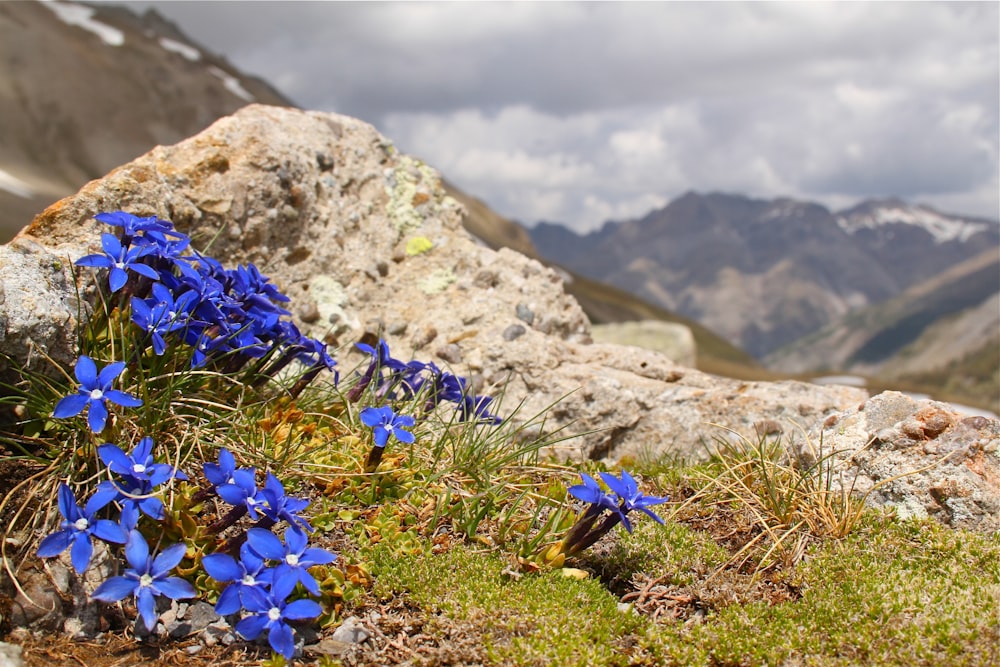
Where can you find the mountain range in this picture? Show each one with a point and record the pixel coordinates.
(885, 288)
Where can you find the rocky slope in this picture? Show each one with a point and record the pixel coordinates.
(945, 331)
(86, 88)
(765, 273)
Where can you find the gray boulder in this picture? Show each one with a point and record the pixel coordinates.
(918, 459)
(673, 340)
(364, 239)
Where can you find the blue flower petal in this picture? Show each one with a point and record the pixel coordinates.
(86, 372)
(222, 567)
(97, 417)
(146, 604)
(81, 551)
(55, 544)
(122, 399)
(265, 543)
(251, 626)
(117, 460)
(175, 588)
(117, 279)
(167, 560)
(282, 639)
(110, 531)
(302, 609)
(115, 589)
(109, 373)
(137, 551)
(229, 601)
(70, 406)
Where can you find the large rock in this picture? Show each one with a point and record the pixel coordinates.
(39, 308)
(917, 458)
(364, 239)
(671, 339)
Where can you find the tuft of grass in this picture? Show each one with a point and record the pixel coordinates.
(787, 494)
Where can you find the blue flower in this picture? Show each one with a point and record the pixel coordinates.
(222, 472)
(163, 314)
(631, 497)
(591, 492)
(381, 360)
(139, 465)
(146, 578)
(384, 423)
(281, 507)
(118, 259)
(76, 529)
(295, 559)
(270, 612)
(95, 390)
(475, 408)
(246, 573)
(243, 491)
(134, 496)
(133, 226)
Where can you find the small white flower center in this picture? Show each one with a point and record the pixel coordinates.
(248, 580)
(138, 468)
(81, 523)
(146, 580)
(292, 559)
(96, 394)
(274, 613)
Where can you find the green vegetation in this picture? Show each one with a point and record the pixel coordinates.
(454, 534)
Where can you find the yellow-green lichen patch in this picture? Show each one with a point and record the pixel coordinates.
(330, 298)
(437, 281)
(410, 186)
(418, 245)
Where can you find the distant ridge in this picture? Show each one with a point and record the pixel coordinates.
(764, 273)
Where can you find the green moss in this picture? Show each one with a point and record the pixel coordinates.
(542, 619)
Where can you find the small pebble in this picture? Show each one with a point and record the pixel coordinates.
(525, 314)
(513, 332)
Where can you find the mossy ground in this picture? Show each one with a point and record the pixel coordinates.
(889, 593)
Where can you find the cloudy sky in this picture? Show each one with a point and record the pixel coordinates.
(584, 112)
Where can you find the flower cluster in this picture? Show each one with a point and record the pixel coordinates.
(392, 378)
(234, 321)
(263, 591)
(255, 588)
(606, 509)
(228, 316)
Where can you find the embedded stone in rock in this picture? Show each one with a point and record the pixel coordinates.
(10, 655)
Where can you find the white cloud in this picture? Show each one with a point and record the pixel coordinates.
(577, 112)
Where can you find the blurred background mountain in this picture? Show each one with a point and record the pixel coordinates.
(904, 295)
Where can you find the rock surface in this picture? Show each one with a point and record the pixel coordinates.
(675, 341)
(363, 238)
(919, 458)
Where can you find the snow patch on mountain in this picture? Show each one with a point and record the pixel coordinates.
(185, 50)
(942, 227)
(232, 84)
(83, 17)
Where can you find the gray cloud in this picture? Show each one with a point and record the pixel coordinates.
(582, 111)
